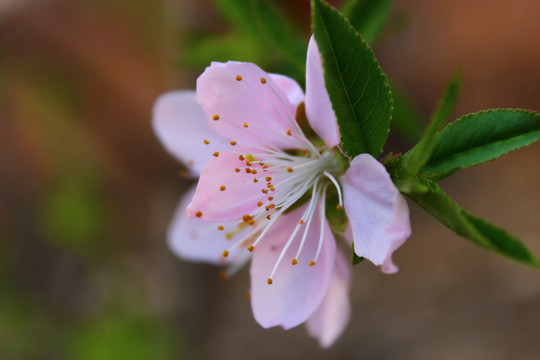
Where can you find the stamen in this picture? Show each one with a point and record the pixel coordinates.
(269, 281)
(312, 263)
(198, 214)
(215, 117)
(237, 170)
(222, 188)
(294, 262)
(255, 180)
(220, 228)
(250, 248)
(241, 158)
(225, 253)
(245, 125)
(216, 154)
(339, 207)
(206, 142)
(233, 143)
(259, 204)
(290, 170)
(321, 237)
(289, 132)
(238, 77)
(336, 184)
(263, 81)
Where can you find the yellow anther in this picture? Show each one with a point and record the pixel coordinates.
(184, 174)
(241, 158)
(225, 253)
(206, 142)
(259, 204)
(198, 214)
(233, 143)
(238, 78)
(290, 169)
(268, 178)
(215, 117)
(263, 81)
(245, 124)
(301, 222)
(250, 248)
(289, 132)
(339, 207)
(216, 154)
(220, 228)
(250, 157)
(294, 262)
(222, 188)
(223, 276)
(237, 170)
(312, 263)
(269, 281)
(246, 217)
(251, 222)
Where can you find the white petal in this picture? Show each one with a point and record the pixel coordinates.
(319, 110)
(377, 212)
(181, 126)
(330, 319)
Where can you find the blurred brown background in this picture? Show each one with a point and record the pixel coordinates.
(86, 193)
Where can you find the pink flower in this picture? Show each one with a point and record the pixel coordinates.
(239, 133)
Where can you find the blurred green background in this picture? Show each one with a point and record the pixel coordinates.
(86, 191)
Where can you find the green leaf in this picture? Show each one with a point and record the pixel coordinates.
(358, 88)
(367, 16)
(480, 137)
(503, 241)
(420, 154)
(475, 229)
(406, 119)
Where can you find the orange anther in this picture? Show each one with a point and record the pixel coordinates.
(241, 158)
(289, 132)
(225, 253)
(268, 178)
(312, 263)
(259, 204)
(250, 248)
(269, 281)
(222, 188)
(263, 81)
(245, 125)
(198, 214)
(216, 154)
(206, 142)
(290, 169)
(233, 143)
(294, 262)
(238, 77)
(215, 117)
(339, 207)
(220, 228)
(237, 170)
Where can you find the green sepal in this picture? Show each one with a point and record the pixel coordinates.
(358, 89)
(355, 258)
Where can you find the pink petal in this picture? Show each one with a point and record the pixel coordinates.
(194, 240)
(297, 290)
(181, 126)
(290, 88)
(330, 319)
(264, 108)
(378, 213)
(319, 110)
(240, 195)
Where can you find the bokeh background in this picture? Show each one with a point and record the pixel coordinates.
(86, 191)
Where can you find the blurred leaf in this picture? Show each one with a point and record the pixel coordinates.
(480, 137)
(358, 88)
(123, 338)
(406, 119)
(74, 216)
(367, 16)
(421, 152)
